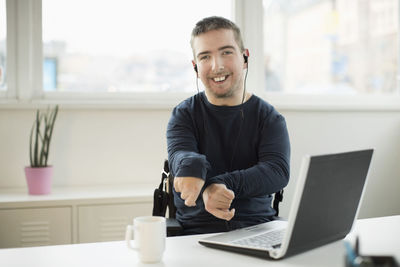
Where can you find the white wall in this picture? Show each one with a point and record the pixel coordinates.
(121, 146)
(324, 132)
(89, 146)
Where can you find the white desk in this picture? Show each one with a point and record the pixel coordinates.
(377, 235)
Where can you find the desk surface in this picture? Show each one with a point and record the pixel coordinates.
(377, 236)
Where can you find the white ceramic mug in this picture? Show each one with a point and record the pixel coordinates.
(149, 234)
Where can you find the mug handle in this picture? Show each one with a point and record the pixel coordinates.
(128, 237)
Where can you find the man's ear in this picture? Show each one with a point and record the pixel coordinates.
(246, 56)
(195, 68)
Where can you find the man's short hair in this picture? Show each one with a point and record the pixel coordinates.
(217, 23)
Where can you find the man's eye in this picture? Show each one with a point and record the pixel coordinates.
(227, 52)
(204, 57)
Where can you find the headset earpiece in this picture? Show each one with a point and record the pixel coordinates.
(195, 68)
(245, 58)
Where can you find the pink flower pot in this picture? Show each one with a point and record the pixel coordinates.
(39, 180)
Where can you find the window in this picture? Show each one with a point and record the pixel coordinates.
(138, 53)
(121, 45)
(3, 51)
(331, 46)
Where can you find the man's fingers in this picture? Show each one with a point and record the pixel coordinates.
(184, 195)
(190, 201)
(223, 214)
(231, 214)
(222, 193)
(190, 188)
(176, 185)
(229, 194)
(217, 204)
(217, 201)
(222, 197)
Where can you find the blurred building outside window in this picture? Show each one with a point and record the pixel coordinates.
(121, 45)
(3, 45)
(331, 46)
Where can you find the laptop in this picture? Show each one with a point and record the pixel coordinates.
(324, 208)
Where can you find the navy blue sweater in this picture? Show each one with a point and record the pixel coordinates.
(245, 147)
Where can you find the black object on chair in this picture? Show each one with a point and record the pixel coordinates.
(278, 197)
(164, 198)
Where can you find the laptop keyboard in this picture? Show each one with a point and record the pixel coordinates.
(266, 240)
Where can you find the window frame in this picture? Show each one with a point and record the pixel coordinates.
(10, 51)
(24, 70)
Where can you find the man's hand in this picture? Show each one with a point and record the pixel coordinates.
(217, 201)
(190, 188)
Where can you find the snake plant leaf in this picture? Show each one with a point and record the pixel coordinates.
(40, 137)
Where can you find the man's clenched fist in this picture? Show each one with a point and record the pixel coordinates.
(217, 201)
(190, 188)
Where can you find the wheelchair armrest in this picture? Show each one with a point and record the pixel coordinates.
(174, 228)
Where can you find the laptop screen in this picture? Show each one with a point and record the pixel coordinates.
(330, 199)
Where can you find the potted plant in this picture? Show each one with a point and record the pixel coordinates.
(39, 174)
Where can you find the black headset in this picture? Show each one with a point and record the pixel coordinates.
(244, 56)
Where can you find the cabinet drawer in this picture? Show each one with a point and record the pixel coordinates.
(35, 227)
(108, 222)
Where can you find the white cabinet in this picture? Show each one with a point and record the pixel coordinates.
(35, 227)
(108, 222)
(70, 215)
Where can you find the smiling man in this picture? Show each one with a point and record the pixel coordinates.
(221, 68)
(228, 149)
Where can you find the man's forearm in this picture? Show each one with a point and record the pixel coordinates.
(188, 164)
(259, 180)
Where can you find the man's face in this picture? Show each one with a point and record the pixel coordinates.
(220, 63)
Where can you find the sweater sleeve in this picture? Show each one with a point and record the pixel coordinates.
(183, 155)
(271, 173)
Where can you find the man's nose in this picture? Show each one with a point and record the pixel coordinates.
(218, 64)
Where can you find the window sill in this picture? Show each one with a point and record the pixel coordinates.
(291, 102)
(112, 101)
(167, 101)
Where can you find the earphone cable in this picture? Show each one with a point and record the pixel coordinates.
(242, 118)
(197, 84)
